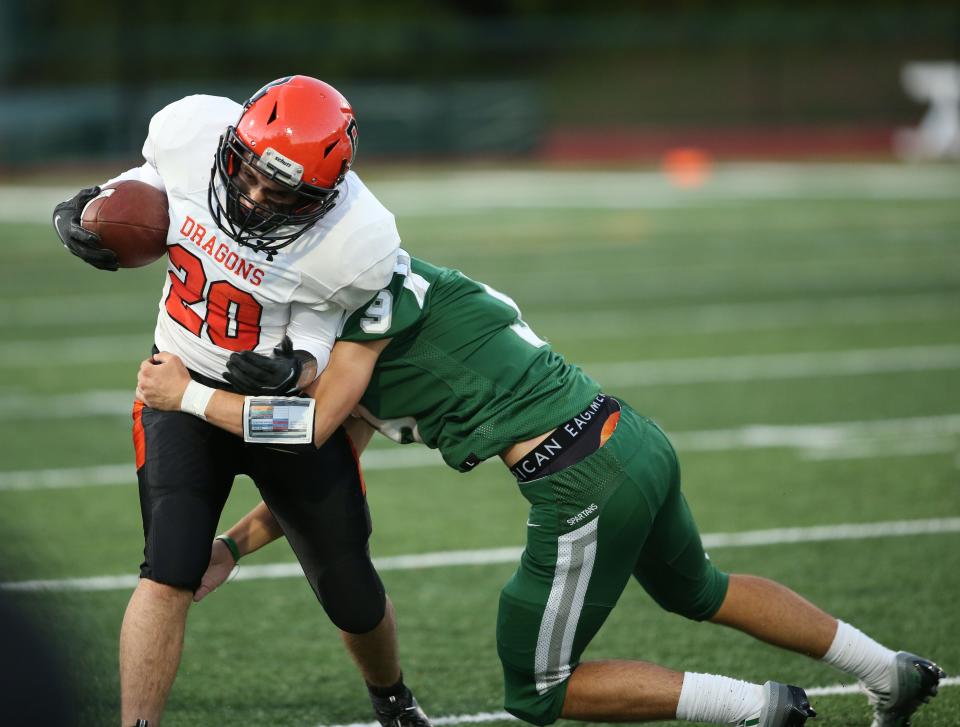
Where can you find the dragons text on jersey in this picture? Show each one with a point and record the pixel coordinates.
(220, 252)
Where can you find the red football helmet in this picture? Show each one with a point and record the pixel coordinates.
(298, 132)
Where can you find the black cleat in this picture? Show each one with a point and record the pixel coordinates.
(915, 682)
(402, 711)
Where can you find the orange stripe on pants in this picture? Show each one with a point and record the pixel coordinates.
(139, 441)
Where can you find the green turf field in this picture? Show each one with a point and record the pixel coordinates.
(795, 329)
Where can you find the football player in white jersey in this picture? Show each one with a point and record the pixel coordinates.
(278, 238)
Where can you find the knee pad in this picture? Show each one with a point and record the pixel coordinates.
(352, 594)
(177, 550)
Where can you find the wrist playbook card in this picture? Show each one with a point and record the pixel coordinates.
(278, 419)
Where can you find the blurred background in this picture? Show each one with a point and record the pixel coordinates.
(609, 81)
(743, 217)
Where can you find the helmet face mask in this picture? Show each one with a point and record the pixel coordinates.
(298, 136)
(266, 227)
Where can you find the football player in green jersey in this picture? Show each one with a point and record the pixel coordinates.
(441, 359)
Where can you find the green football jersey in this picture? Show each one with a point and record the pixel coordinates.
(463, 373)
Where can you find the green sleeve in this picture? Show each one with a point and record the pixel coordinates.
(393, 310)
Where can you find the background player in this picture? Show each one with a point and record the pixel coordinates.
(279, 238)
(441, 359)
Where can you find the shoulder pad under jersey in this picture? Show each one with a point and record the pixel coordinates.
(350, 254)
(183, 138)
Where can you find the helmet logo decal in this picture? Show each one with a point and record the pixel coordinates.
(353, 134)
(279, 167)
(259, 94)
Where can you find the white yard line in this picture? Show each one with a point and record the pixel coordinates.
(476, 718)
(85, 309)
(747, 539)
(831, 440)
(735, 317)
(480, 717)
(68, 352)
(643, 372)
(68, 477)
(106, 402)
(124, 474)
(639, 289)
(827, 533)
(814, 364)
(37, 311)
(455, 192)
(855, 689)
(458, 192)
(884, 448)
(815, 437)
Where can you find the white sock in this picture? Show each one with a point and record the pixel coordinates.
(853, 652)
(716, 699)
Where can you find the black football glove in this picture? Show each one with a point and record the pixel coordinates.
(82, 243)
(276, 375)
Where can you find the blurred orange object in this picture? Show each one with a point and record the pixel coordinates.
(686, 166)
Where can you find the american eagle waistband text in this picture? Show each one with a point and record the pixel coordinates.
(571, 441)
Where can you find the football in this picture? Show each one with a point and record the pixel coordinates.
(131, 219)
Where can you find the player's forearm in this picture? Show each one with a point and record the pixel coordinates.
(332, 409)
(256, 529)
(341, 385)
(225, 410)
(336, 392)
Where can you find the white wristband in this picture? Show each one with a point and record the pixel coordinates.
(195, 399)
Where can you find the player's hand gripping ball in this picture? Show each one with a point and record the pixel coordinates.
(121, 226)
(131, 219)
(82, 243)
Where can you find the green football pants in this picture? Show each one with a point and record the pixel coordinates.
(616, 513)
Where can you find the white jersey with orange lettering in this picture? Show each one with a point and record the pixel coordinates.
(220, 297)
